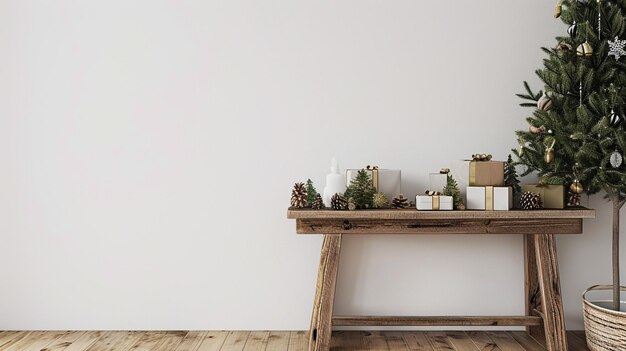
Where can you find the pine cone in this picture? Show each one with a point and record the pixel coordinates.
(298, 196)
(531, 201)
(573, 199)
(399, 202)
(318, 203)
(338, 202)
(380, 200)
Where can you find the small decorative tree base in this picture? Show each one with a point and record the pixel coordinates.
(605, 328)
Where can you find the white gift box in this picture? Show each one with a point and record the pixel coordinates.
(490, 198)
(386, 181)
(434, 203)
(438, 181)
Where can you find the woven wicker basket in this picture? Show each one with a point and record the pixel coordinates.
(605, 328)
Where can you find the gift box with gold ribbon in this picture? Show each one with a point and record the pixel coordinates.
(553, 196)
(489, 198)
(385, 181)
(486, 173)
(433, 203)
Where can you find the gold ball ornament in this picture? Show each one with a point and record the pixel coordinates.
(576, 187)
(584, 50)
(520, 151)
(548, 156)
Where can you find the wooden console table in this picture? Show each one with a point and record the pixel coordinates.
(544, 308)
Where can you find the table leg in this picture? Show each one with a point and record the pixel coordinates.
(321, 320)
(550, 287)
(531, 287)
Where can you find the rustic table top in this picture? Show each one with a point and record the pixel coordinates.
(395, 214)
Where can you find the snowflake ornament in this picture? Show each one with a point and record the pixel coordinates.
(616, 48)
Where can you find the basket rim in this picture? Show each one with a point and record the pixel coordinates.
(591, 304)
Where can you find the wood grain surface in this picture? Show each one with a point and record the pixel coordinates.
(275, 341)
(415, 214)
(446, 321)
(550, 288)
(321, 319)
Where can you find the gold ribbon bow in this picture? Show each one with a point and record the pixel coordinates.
(435, 199)
(472, 165)
(481, 157)
(374, 170)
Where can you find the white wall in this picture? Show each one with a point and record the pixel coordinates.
(148, 151)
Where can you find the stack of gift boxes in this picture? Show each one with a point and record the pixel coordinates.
(486, 190)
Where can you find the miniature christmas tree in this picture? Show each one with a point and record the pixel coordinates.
(577, 121)
(361, 190)
(510, 177)
(298, 196)
(452, 189)
(311, 192)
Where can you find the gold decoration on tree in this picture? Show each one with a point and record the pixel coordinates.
(576, 187)
(298, 196)
(558, 9)
(548, 156)
(584, 50)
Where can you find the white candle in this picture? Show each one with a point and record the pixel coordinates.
(335, 182)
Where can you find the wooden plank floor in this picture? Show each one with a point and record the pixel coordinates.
(272, 341)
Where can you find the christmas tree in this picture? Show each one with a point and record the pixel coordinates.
(361, 190)
(510, 176)
(576, 135)
(311, 192)
(452, 189)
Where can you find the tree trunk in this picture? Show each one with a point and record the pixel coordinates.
(618, 202)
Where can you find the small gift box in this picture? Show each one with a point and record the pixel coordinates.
(438, 181)
(385, 181)
(489, 198)
(433, 203)
(553, 196)
(485, 172)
